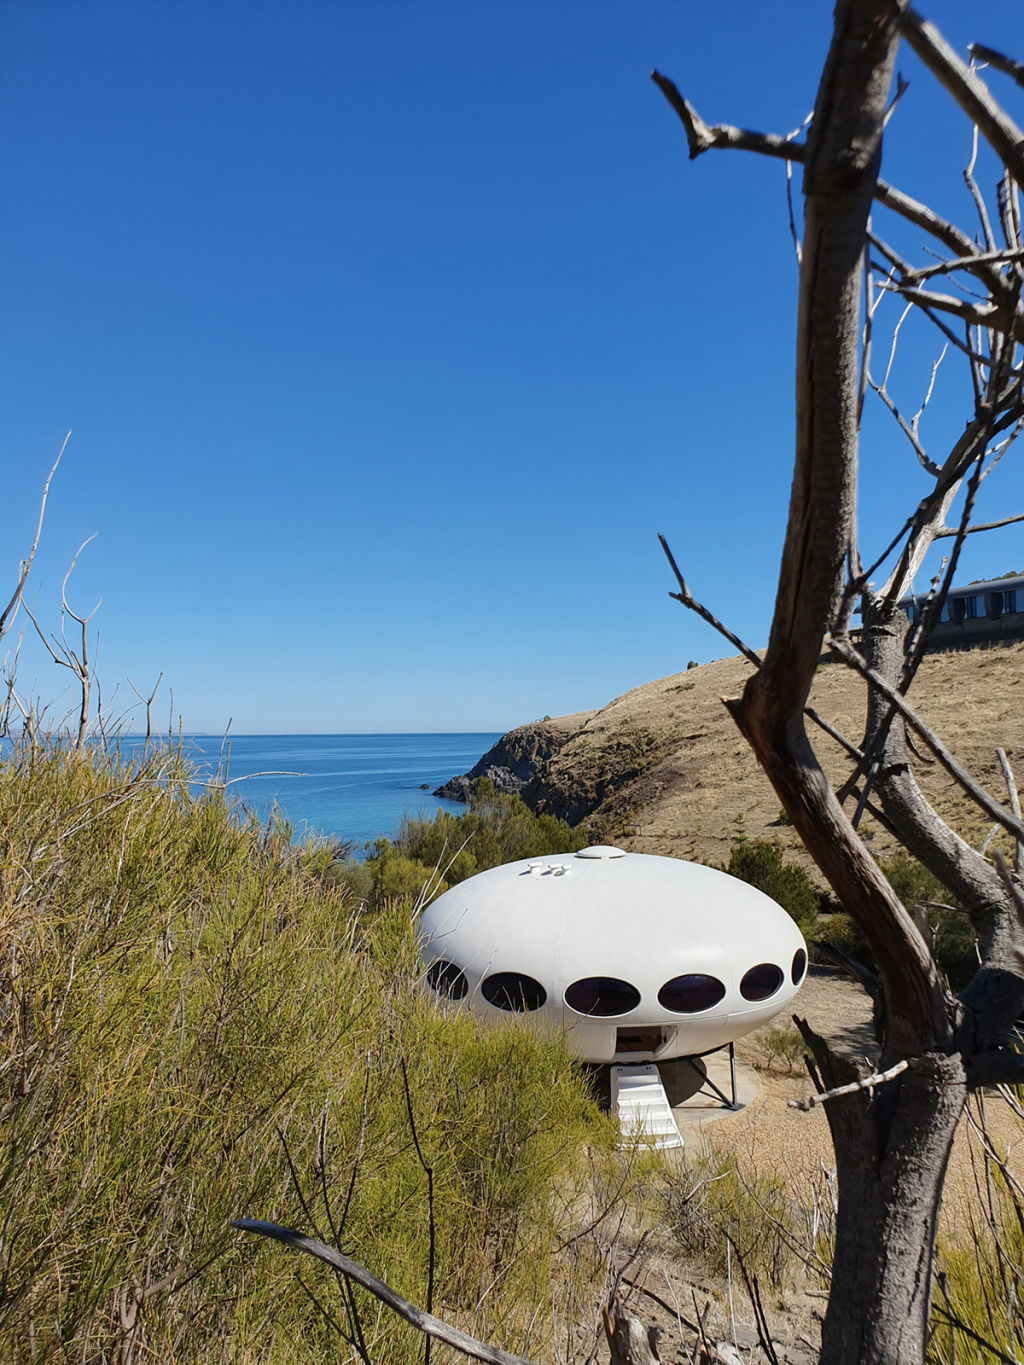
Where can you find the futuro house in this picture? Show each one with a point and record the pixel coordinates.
(640, 958)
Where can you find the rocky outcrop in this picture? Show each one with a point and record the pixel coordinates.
(514, 761)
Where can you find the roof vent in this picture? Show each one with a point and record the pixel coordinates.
(601, 851)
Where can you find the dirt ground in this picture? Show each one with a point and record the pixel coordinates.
(796, 1144)
(768, 1138)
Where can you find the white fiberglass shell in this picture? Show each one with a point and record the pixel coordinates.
(639, 957)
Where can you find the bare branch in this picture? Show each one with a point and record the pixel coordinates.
(963, 263)
(849, 655)
(684, 596)
(902, 86)
(148, 702)
(839, 184)
(969, 91)
(916, 421)
(950, 236)
(423, 1322)
(867, 1083)
(688, 600)
(981, 526)
(11, 610)
(909, 429)
(988, 315)
(990, 57)
(1011, 788)
(702, 138)
(976, 195)
(428, 1171)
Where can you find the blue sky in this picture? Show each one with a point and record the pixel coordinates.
(391, 334)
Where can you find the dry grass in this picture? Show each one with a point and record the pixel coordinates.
(674, 773)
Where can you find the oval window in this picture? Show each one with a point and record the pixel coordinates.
(602, 995)
(691, 994)
(447, 980)
(513, 991)
(799, 966)
(761, 981)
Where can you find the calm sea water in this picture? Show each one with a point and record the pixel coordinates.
(350, 787)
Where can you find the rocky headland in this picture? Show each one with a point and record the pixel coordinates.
(518, 756)
(663, 769)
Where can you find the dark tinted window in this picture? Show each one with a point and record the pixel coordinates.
(690, 994)
(761, 981)
(602, 995)
(514, 991)
(447, 980)
(799, 966)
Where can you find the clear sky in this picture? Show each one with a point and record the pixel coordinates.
(391, 334)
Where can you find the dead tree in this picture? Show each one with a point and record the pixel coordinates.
(8, 615)
(73, 656)
(892, 1132)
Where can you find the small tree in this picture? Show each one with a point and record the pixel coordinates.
(892, 1134)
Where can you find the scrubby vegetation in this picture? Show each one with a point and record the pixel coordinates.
(496, 828)
(978, 1309)
(761, 862)
(955, 944)
(202, 1020)
(198, 1025)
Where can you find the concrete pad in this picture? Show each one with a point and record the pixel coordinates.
(702, 1105)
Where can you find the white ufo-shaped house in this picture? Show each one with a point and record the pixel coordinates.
(640, 958)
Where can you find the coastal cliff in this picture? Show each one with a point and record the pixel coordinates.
(513, 762)
(663, 769)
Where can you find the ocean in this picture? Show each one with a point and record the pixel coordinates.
(351, 787)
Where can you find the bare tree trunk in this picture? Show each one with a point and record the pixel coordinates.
(892, 1144)
(892, 1147)
(892, 1133)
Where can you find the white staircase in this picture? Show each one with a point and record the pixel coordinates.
(639, 1099)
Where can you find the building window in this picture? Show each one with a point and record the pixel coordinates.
(761, 981)
(691, 994)
(447, 980)
(602, 995)
(513, 991)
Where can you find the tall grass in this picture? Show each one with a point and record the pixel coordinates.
(196, 1026)
(978, 1306)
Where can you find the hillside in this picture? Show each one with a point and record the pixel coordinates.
(663, 769)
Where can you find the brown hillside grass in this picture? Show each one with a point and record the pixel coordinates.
(672, 774)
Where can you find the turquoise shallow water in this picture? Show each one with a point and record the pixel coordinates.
(350, 787)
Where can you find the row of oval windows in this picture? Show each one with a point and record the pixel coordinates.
(607, 996)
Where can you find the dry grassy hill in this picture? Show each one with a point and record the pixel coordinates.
(663, 769)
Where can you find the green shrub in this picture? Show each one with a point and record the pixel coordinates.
(181, 993)
(955, 941)
(761, 863)
(779, 1048)
(840, 931)
(955, 949)
(496, 828)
